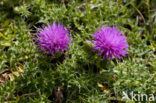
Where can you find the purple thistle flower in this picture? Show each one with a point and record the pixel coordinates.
(110, 42)
(53, 38)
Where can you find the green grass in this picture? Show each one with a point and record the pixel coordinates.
(82, 76)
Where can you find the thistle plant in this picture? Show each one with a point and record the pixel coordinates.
(54, 38)
(110, 42)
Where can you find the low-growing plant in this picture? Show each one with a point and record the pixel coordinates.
(28, 75)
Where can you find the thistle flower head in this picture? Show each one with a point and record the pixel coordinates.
(110, 42)
(53, 38)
